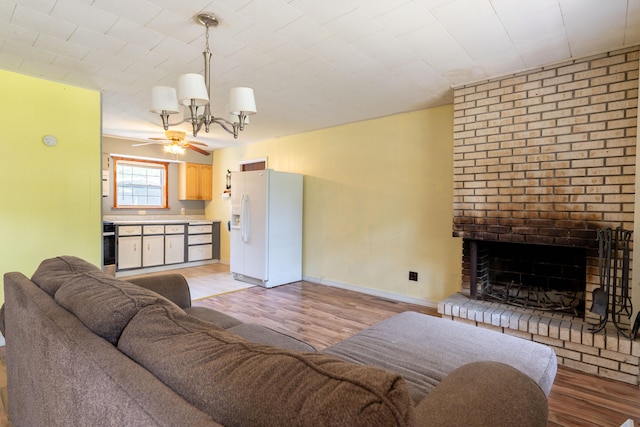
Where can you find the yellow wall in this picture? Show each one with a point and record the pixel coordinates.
(377, 202)
(50, 195)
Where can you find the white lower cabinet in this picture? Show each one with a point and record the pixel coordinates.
(129, 252)
(200, 252)
(200, 242)
(173, 248)
(154, 245)
(152, 250)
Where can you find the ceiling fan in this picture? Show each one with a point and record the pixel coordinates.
(174, 143)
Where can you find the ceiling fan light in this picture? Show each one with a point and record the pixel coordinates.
(191, 87)
(163, 98)
(174, 149)
(241, 100)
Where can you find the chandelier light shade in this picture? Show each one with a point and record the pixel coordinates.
(241, 101)
(163, 98)
(191, 87)
(194, 92)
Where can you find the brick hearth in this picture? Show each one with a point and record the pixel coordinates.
(605, 353)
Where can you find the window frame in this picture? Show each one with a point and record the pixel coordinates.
(158, 165)
(253, 164)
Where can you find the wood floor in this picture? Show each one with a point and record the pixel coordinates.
(317, 314)
(323, 315)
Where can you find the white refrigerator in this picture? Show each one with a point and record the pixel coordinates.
(266, 227)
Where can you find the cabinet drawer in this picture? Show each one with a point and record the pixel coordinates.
(174, 229)
(129, 230)
(200, 252)
(153, 229)
(199, 239)
(197, 229)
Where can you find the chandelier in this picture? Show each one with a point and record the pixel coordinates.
(194, 92)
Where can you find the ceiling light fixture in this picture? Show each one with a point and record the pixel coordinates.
(194, 93)
(174, 149)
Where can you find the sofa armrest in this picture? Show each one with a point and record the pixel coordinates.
(172, 286)
(482, 394)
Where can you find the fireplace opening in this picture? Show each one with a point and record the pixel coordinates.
(539, 277)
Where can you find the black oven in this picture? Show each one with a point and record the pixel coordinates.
(109, 243)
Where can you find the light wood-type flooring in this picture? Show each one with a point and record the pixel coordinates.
(322, 315)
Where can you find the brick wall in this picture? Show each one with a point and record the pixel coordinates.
(547, 156)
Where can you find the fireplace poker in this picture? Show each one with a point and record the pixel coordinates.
(600, 296)
(627, 305)
(625, 236)
(600, 304)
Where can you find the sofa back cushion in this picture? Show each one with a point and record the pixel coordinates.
(103, 303)
(53, 272)
(240, 383)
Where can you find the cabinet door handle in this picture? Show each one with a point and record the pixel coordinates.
(135, 247)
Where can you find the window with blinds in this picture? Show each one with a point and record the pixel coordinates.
(140, 184)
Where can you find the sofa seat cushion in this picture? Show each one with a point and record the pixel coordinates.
(425, 349)
(103, 303)
(240, 383)
(53, 272)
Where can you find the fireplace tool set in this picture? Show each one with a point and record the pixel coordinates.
(611, 299)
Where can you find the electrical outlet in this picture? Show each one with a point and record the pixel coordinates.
(413, 276)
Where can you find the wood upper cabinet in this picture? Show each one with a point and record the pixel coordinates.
(194, 181)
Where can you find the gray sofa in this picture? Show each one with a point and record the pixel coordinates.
(84, 348)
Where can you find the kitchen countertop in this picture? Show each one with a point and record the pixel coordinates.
(170, 219)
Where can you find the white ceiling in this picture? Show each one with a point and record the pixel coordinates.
(312, 63)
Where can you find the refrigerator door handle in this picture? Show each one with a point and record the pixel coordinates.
(244, 217)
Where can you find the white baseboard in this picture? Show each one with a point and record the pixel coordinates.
(375, 292)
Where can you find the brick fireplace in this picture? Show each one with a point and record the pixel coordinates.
(543, 159)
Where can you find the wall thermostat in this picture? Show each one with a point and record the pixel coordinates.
(50, 140)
